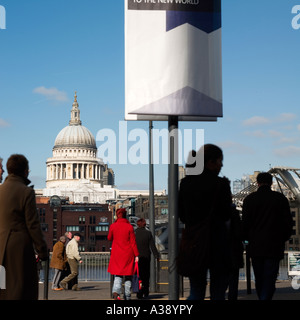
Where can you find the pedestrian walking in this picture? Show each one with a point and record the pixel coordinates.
(205, 207)
(67, 270)
(267, 225)
(58, 262)
(74, 260)
(68, 236)
(20, 233)
(124, 253)
(146, 245)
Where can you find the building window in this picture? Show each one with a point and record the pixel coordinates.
(44, 227)
(81, 219)
(92, 219)
(164, 211)
(102, 228)
(72, 228)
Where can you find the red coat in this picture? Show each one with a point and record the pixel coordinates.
(124, 248)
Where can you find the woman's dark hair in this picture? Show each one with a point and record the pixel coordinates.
(141, 223)
(17, 164)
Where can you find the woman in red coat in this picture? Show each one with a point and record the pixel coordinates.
(124, 254)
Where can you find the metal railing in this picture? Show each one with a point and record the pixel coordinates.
(93, 267)
(282, 274)
(95, 264)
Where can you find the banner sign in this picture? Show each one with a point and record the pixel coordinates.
(173, 59)
(294, 263)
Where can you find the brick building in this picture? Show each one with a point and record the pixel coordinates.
(92, 221)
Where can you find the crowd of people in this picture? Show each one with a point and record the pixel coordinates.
(213, 238)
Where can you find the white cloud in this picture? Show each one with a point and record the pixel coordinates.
(254, 121)
(3, 123)
(235, 147)
(51, 94)
(258, 120)
(255, 134)
(290, 151)
(275, 134)
(286, 117)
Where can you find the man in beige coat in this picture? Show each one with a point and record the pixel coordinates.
(20, 233)
(73, 259)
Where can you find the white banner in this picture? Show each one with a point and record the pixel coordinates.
(173, 59)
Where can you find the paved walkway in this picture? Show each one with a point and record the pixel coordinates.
(101, 291)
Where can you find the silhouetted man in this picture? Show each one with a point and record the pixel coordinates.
(267, 225)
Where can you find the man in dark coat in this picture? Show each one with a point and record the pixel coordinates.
(267, 225)
(202, 197)
(145, 244)
(20, 233)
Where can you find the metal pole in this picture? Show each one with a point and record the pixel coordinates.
(46, 276)
(173, 208)
(151, 209)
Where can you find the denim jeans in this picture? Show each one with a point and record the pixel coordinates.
(265, 271)
(117, 286)
(56, 278)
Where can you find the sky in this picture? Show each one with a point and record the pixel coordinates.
(50, 49)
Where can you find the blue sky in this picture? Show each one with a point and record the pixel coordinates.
(79, 45)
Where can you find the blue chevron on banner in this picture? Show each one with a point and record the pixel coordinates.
(205, 21)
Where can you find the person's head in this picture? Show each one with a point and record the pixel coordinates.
(213, 158)
(17, 164)
(62, 239)
(141, 223)
(68, 235)
(1, 170)
(121, 213)
(77, 237)
(264, 178)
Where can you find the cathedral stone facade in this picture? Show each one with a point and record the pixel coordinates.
(74, 171)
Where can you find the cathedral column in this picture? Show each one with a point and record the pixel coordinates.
(99, 167)
(82, 171)
(77, 169)
(87, 171)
